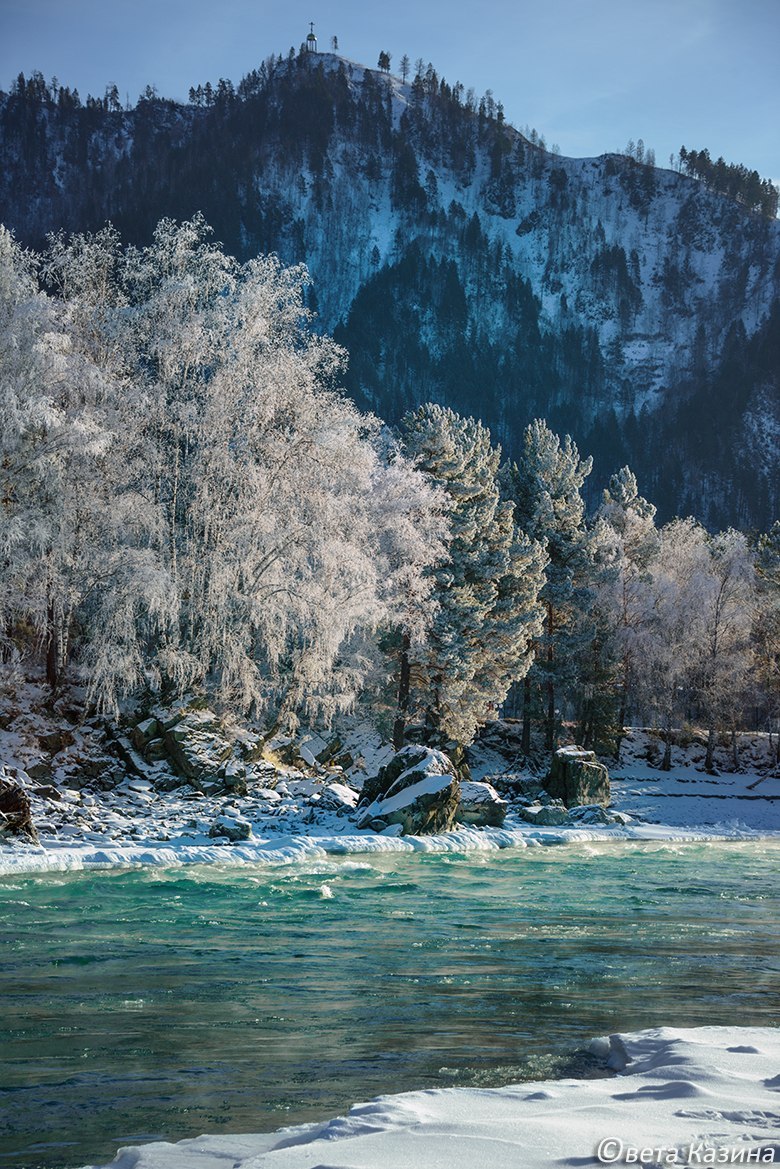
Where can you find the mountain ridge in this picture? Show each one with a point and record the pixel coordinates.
(457, 261)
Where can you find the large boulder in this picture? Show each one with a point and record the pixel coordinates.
(417, 790)
(546, 815)
(577, 777)
(481, 805)
(200, 752)
(15, 810)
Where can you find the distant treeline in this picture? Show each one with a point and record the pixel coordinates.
(732, 179)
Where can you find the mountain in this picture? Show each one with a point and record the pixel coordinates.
(455, 259)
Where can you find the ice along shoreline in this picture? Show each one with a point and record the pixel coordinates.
(54, 856)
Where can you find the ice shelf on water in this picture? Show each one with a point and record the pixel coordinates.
(283, 850)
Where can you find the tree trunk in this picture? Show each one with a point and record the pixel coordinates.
(402, 709)
(666, 762)
(734, 748)
(550, 729)
(52, 656)
(709, 762)
(621, 717)
(525, 741)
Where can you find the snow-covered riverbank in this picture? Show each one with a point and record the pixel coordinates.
(291, 813)
(708, 1095)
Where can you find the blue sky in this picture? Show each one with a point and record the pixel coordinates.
(588, 74)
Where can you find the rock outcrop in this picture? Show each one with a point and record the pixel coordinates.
(15, 810)
(480, 805)
(577, 777)
(418, 791)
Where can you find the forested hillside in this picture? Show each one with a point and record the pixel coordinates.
(456, 259)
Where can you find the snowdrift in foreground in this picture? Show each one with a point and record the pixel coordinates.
(708, 1095)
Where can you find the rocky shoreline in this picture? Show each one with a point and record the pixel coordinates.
(184, 776)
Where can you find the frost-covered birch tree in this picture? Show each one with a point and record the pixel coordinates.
(625, 527)
(63, 512)
(695, 644)
(723, 619)
(216, 511)
(766, 630)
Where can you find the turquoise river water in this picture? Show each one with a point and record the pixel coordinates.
(149, 1003)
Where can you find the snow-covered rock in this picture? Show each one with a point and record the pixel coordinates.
(480, 804)
(338, 797)
(546, 815)
(418, 789)
(234, 827)
(591, 814)
(197, 746)
(15, 809)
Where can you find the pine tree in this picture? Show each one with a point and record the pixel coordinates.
(486, 590)
(545, 485)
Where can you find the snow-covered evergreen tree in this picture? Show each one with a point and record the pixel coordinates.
(545, 485)
(487, 588)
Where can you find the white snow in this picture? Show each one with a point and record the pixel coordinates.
(681, 1096)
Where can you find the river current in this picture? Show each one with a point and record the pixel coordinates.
(161, 1003)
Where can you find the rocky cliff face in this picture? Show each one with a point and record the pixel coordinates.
(456, 260)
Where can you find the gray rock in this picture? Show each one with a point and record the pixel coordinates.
(548, 816)
(591, 814)
(233, 775)
(144, 732)
(127, 753)
(155, 751)
(233, 827)
(481, 805)
(337, 797)
(56, 741)
(417, 790)
(197, 747)
(39, 770)
(620, 817)
(577, 777)
(15, 811)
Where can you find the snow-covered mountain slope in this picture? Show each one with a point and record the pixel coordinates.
(456, 260)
